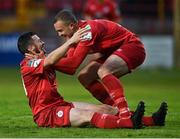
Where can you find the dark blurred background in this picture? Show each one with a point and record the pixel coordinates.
(155, 21)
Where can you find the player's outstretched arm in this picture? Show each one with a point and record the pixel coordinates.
(58, 53)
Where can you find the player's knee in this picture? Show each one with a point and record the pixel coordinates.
(84, 117)
(84, 80)
(102, 72)
(79, 117)
(81, 77)
(104, 108)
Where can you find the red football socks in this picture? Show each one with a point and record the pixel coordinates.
(148, 121)
(98, 90)
(117, 94)
(110, 121)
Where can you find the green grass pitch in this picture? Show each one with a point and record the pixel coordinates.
(151, 86)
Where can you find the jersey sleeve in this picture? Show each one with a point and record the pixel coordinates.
(69, 64)
(70, 52)
(34, 66)
(72, 61)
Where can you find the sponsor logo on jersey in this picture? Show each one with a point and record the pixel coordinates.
(34, 62)
(88, 35)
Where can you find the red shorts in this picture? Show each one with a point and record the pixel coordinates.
(55, 116)
(133, 53)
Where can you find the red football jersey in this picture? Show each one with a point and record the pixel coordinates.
(107, 9)
(103, 36)
(40, 85)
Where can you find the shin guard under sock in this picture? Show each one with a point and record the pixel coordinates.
(98, 90)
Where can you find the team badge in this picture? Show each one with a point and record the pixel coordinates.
(59, 113)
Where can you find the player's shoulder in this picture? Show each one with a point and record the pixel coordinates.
(30, 62)
(86, 23)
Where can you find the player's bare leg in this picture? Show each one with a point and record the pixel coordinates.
(103, 108)
(88, 77)
(115, 65)
(116, 69)
(82, 117)
(89, 73)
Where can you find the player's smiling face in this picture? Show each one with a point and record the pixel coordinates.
(64, 30)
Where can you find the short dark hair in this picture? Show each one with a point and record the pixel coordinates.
(23, 41)
(66, 16)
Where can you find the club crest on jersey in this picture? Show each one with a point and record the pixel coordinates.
(59, 113)
(34, 62)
